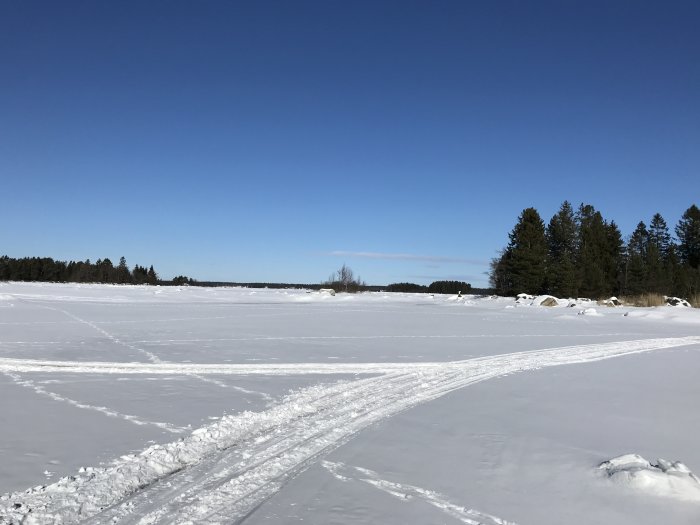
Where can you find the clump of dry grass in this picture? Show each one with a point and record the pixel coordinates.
(644, 300)
(694, 300)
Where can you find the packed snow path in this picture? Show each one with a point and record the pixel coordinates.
(223, 472)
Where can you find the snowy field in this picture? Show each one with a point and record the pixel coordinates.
(192, 405)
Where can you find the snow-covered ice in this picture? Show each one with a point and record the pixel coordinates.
(193, 405)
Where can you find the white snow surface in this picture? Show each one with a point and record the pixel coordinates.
(224, 405)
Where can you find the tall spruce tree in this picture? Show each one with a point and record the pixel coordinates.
(613, 261)
(123, 274)
(592, 252)
(561, 250)
(659, 272)
(499, 279)
(526, 254)
(659, 235)
(636, 263)
(151, 276)
(688, 233)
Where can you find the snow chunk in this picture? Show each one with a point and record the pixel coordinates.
(590, 311)
(665, 478)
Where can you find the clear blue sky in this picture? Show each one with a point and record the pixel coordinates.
(275, 141)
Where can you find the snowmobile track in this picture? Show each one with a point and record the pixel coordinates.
(223, 472)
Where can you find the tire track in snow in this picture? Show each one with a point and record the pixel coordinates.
(223, 472)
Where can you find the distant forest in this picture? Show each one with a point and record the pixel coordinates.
(46, 269)
(581, 254)
(101, 271)
(448, 287)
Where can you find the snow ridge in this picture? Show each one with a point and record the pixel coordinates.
(224, 471)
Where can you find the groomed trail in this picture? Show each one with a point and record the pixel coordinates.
(223, 472)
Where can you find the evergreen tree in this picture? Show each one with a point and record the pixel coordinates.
(123, 274)
(613, 261)
(592, 253)
(499, 279)
(659, 274)
(449, 287)
(526, 254)
(139, 275)
(636, 264)
(152, 277)
(561, 246)
(659, 235)
(688, 233)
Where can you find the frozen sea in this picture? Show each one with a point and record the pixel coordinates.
(128, 404)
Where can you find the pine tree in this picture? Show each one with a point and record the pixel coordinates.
(561, 246)
(499, 279)
(636, 264)
(526, 254)
(593, 253)
(123, 274)
(152, 276)
(613, 261)
(659, 235)
(688, 233)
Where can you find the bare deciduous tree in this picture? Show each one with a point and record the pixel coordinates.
(344, 280)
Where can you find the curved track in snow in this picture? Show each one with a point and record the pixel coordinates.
(225, 471)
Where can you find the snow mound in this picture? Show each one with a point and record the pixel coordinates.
(670, 301)
(523, 298)
(613, 301)
(4, 298)
(666, 479)
(540, 300)
(590, 311)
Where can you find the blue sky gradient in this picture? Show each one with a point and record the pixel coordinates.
(275, 141)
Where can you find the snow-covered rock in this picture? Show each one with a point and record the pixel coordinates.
(523, 298)
(665, 478)
(545, 300)
(677, 301)
(540, 300)
(613, 301)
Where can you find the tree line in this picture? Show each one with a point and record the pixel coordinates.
(48, 270)
(445, 287)
(581, 254)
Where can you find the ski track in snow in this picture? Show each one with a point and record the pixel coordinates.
(404, 492)
(153, 358)
(104, 410)
(365, 337)
(223, 472)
